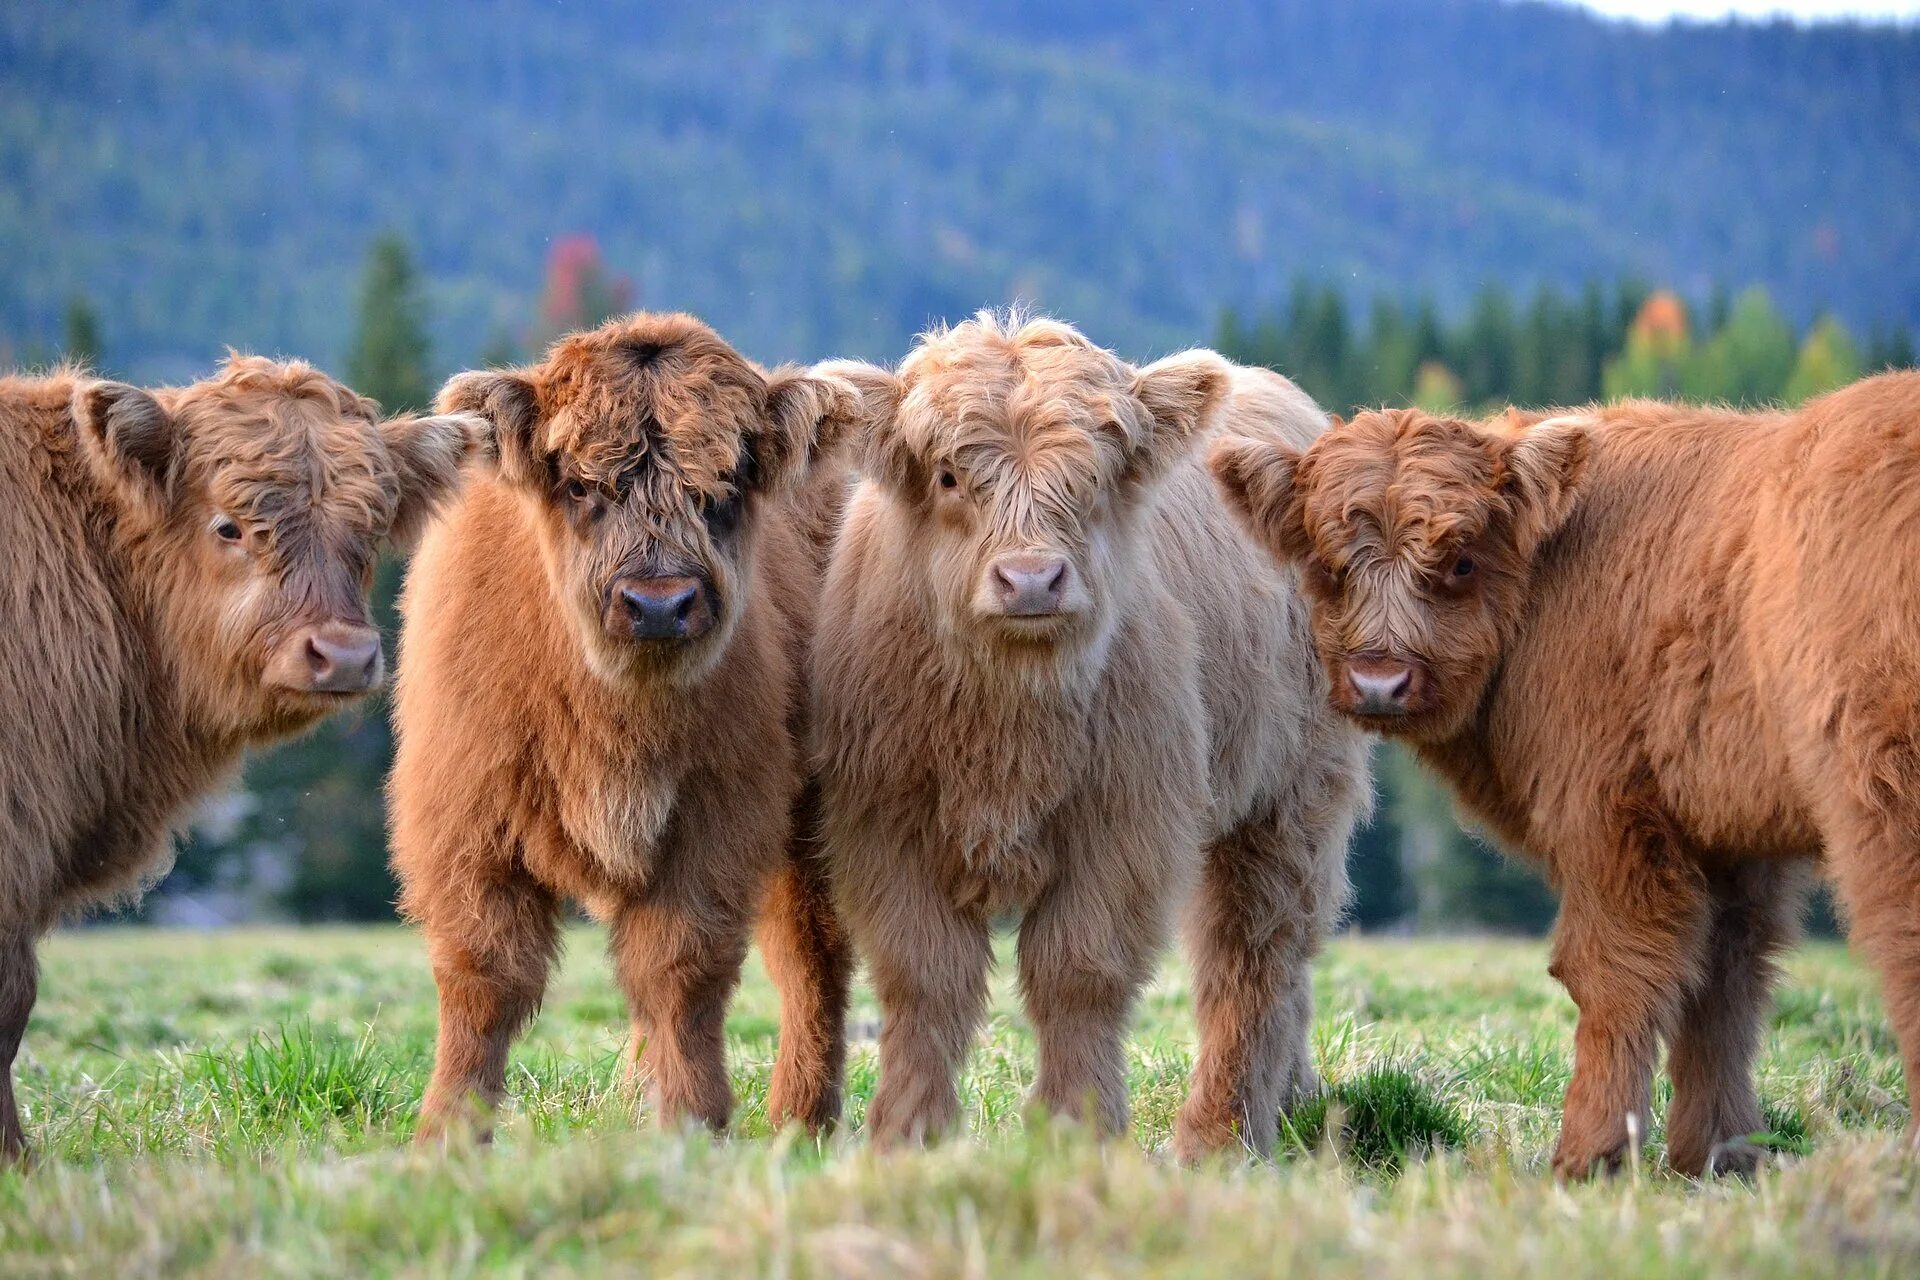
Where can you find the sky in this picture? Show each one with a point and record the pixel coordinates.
(1656, 10)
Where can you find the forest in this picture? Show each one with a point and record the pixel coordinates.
(825, 177)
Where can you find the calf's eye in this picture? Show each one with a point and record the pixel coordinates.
(227, 529)
(948, 480)
(576, 491)
(1463, 567)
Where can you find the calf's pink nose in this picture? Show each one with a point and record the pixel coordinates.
(1030, 585)
(1381, 686)
(331, 657)
(345, 662)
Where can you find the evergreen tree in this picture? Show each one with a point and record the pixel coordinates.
(1483, 350)
(1748, 361)
(1890, 348)
(81, 340)
(390, 358)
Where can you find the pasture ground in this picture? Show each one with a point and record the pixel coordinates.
(240, 1104)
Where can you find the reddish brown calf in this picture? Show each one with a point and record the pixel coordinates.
(1670, 651)
(602, 701)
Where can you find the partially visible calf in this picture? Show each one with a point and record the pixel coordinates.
(601, 700)
(1670, 651)
(185, 575)
(1054, 678)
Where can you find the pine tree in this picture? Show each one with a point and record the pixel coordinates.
(81, 341)
(1748, 360)
(391, 357)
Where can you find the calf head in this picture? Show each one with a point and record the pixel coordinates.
(252, 508)
(1015, 457)
(642, 450)
(1416, 537)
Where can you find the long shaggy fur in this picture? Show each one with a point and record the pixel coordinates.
(133, 664)
(657, 785)
(1681, 668)
(1167, 733)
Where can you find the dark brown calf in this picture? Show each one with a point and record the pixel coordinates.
(186, 575)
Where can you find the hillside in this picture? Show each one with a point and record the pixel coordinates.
(820, 176)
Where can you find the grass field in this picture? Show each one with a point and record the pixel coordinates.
(240, 1104)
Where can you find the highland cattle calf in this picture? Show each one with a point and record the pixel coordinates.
(1674, 653)
(601, 699)
(1054, 678)
(185, 575)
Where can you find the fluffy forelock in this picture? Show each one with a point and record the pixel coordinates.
(1398, 482)
(1007, 384)
(274, 441)
(659, 390)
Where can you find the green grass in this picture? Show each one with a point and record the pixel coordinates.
(240, 1104)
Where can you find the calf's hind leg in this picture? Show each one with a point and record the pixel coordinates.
(1875, 861)
(1755, 912)
(19, 986)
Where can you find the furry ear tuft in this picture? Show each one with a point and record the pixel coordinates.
(131, 434)
(878, 394)
(1180, 394)
(429, 456)
(1256, 477)
(809, 414)
(509, 400)
(1542, 469)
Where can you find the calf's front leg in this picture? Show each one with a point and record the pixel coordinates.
(1085, 949)
(1264, 898)
(928, 961)
(1633, 921)
(679, 964)
(1755, 909)
(811, 964)
(491, 945)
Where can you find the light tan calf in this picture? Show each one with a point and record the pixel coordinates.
(1054, 678)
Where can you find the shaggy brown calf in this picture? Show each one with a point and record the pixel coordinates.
(602, 699)
(185, 574)
(1054, 678)
(1670, 651)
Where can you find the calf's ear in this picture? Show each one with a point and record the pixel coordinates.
(808, 414)
(1541, 470)
(877, 447)
(429, 460)
(1256, 477)
(1180, 394)
(129, 434)
(509, 401)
